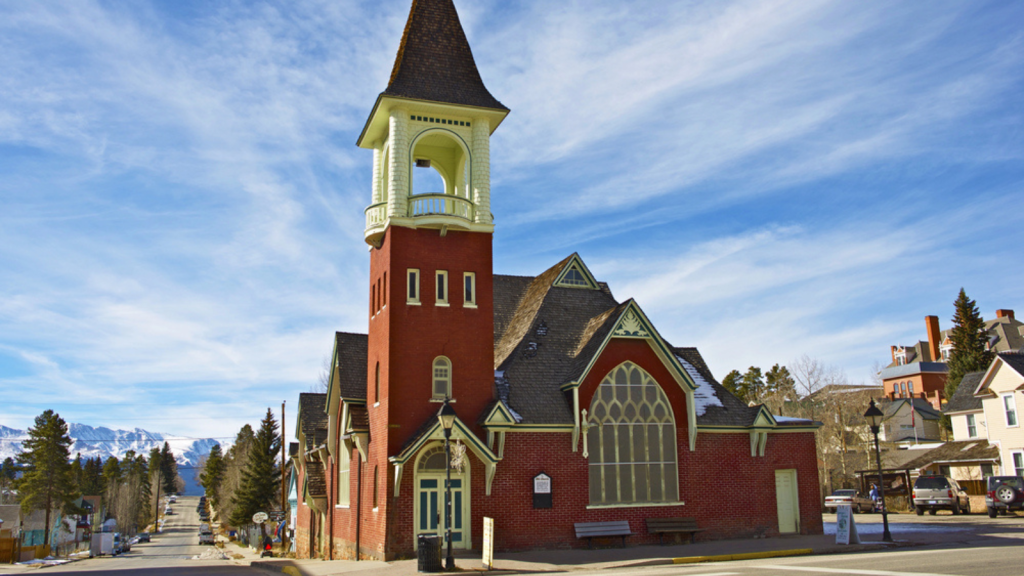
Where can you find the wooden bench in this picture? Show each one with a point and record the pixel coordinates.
(590, 530)
(660, 526)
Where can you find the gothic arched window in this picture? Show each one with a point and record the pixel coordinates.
(632, 440)
(442, 378)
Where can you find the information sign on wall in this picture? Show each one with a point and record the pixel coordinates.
(542, 491)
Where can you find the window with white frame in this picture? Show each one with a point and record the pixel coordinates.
(972, 427)
(632, 440)
(910, 389)
(343, 475)
(413, 295)
(1010, 407)
(469, 289)
(442, 288)
(1018, 463)
(442, 378)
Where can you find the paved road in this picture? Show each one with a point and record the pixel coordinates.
(986, 561)
(169, 553)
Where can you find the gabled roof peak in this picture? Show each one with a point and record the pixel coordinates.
(435, 62)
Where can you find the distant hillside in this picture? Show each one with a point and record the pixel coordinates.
(104, 442)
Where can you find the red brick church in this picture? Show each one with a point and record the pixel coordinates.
(570, 405)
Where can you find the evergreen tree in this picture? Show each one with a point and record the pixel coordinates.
(969, 340)
(778, 379)
(49, 481)
(111, 471)
(213, 472)
(92, 477)
(261, 477)
(732, 383)
(8, 472)
(168, 470)
(752, 385)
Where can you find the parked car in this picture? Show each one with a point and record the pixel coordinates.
(173, 499)
(934, 493)
(121, 544)
(1004, 493)
(144, 537)
(844, 496)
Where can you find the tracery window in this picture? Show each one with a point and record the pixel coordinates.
(344, 483)
(632, 440)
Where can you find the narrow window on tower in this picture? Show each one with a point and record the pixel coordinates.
(373, 299)
(442, 378)
(469, 289)
(442, 287)
(376, 386)
(413, 297)
(384, 291)
(375, 487)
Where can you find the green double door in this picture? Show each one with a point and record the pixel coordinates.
(430, 517)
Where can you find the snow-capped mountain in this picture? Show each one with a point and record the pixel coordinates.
(104, 442)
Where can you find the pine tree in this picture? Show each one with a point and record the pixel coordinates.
(168, 470)
(261, 477)
(969, 341)
(752, 385)
(49, 481)
(213, 472)
(92, 477)
(732, 383)
(8, 472)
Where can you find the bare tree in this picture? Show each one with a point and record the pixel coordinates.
(323, 379)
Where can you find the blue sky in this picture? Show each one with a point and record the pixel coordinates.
(181, 199)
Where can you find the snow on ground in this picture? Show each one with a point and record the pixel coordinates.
(48, 561)
(212, 554)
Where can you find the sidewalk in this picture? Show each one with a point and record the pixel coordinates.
(539, 561)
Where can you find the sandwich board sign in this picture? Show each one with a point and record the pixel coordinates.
(846, 528)
(488, 546)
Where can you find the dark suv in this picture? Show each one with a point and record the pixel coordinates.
(1004, 493)
(933, 493)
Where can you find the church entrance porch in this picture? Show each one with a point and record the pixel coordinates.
(428, 501)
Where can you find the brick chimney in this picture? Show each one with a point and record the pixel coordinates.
(1004, 314)
(932, 323)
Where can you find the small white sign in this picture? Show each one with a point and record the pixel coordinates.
(488, 545)
(542, 484)
(846, 528)
(259, 518)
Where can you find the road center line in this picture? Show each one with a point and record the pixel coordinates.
(849, 571)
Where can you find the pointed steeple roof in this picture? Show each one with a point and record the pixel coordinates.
(435, 62)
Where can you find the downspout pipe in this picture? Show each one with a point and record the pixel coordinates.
(359, 502)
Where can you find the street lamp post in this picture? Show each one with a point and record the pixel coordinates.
(874, 418)
(447, 417)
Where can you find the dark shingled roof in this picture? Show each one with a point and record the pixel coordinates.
(733, 411)
(545, 336)
(313, 418)
(316, 481)
(1015, 360)
(350, 373)
(963, 399)
(965, 451)
(434, 60)
(360, 418)
(540, 344)
(921, 406)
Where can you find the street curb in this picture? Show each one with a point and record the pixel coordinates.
(743, 556)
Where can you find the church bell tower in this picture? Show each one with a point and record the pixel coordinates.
(431, 320)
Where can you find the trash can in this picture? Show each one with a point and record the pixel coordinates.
(428, 553)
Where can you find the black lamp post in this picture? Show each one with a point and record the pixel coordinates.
(874, 417)
(447, 417)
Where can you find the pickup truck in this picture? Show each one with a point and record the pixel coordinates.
(858, 500)
(205, 534)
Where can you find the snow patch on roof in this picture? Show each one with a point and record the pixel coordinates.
(704, 396)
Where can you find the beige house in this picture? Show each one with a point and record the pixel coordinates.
(909, 421)
(1001, 391)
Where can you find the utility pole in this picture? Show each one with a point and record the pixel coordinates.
(156, 513)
